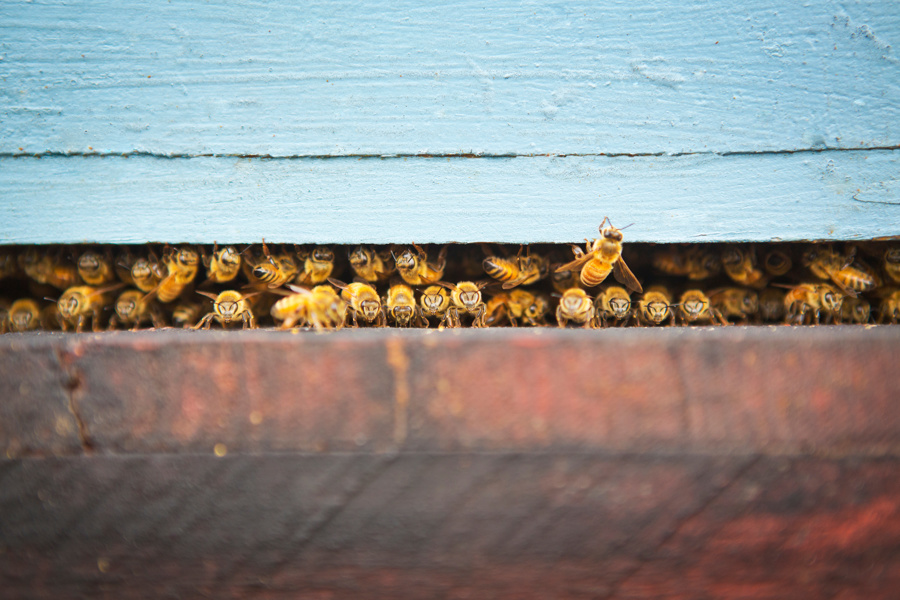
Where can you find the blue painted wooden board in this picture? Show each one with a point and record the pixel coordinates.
(706, 95)
(827, 195)
(375, 77)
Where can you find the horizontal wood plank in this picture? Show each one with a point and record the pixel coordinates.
(450, 526)
(737, 390)
(371, 78)
(756, 197)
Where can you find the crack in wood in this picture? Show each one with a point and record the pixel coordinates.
(404, 156)
(71, 388)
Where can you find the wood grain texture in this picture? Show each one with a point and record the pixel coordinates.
(757, 197)
(450, 526)
(372, 77)
(733, 390)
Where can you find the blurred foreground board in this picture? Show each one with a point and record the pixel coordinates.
(386, 122)
(502, 463)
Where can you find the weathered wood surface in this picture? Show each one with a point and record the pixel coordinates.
(450, 526)
(778, 390)
(828, 195)
(682, 463)
(682, 87)
(373, 77)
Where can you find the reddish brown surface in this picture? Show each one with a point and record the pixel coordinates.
(507, 464)
(776, 390)
(482, 525)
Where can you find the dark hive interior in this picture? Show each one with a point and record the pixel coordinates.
(99, 287)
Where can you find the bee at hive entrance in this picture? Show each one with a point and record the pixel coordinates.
(447, 286)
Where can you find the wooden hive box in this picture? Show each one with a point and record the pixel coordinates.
(732, 462)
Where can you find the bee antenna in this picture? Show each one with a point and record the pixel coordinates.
(51, 299)
(626, 227)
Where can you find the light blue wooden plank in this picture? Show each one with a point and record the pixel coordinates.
(829, 195)
(405, 77)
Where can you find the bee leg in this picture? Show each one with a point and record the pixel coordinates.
(204, 322)
(479, 317)
(137, 325)
(79, 327)
(112, 324)
(442, 259)
(560, 319)
(157, 319)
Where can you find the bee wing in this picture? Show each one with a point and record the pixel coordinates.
(207, 294)
(336, 283)
(517, 281)
(624, 276)
(575, 264)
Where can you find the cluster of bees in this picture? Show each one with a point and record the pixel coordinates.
(477, 285)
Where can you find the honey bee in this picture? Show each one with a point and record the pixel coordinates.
(415, 268)
(50, 319)
(181, 269)
(740, 266)
(777, 263)
(830, 301)
(318, 264)
(96, 268)
(435, 302)
(274, 271)
(362, 300)
(613, 303)
(693, 263)
(79, 303)
(892, 263)
(465, 298)
(223, 265)
(9, 267)
(771, 305)
(734, 302)
(132, 306)
(855, 310)
(49, 269)
(400, 305)
(229, 307)
(523, 270)
(369, 265)
(495, 310)
(516, 305)
(576, 306)
(801, 302)
(146, 273)
(602, 256)
(851, 277)
(889, 309)
(4, 315)
(857, 277)
(531, 308)
(186, 314)
(320, 308)
(654, 307)
(563, 280)
(694, 307)
(124, 261)
(24, 315)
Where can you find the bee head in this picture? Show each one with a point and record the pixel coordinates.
(322, 254)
